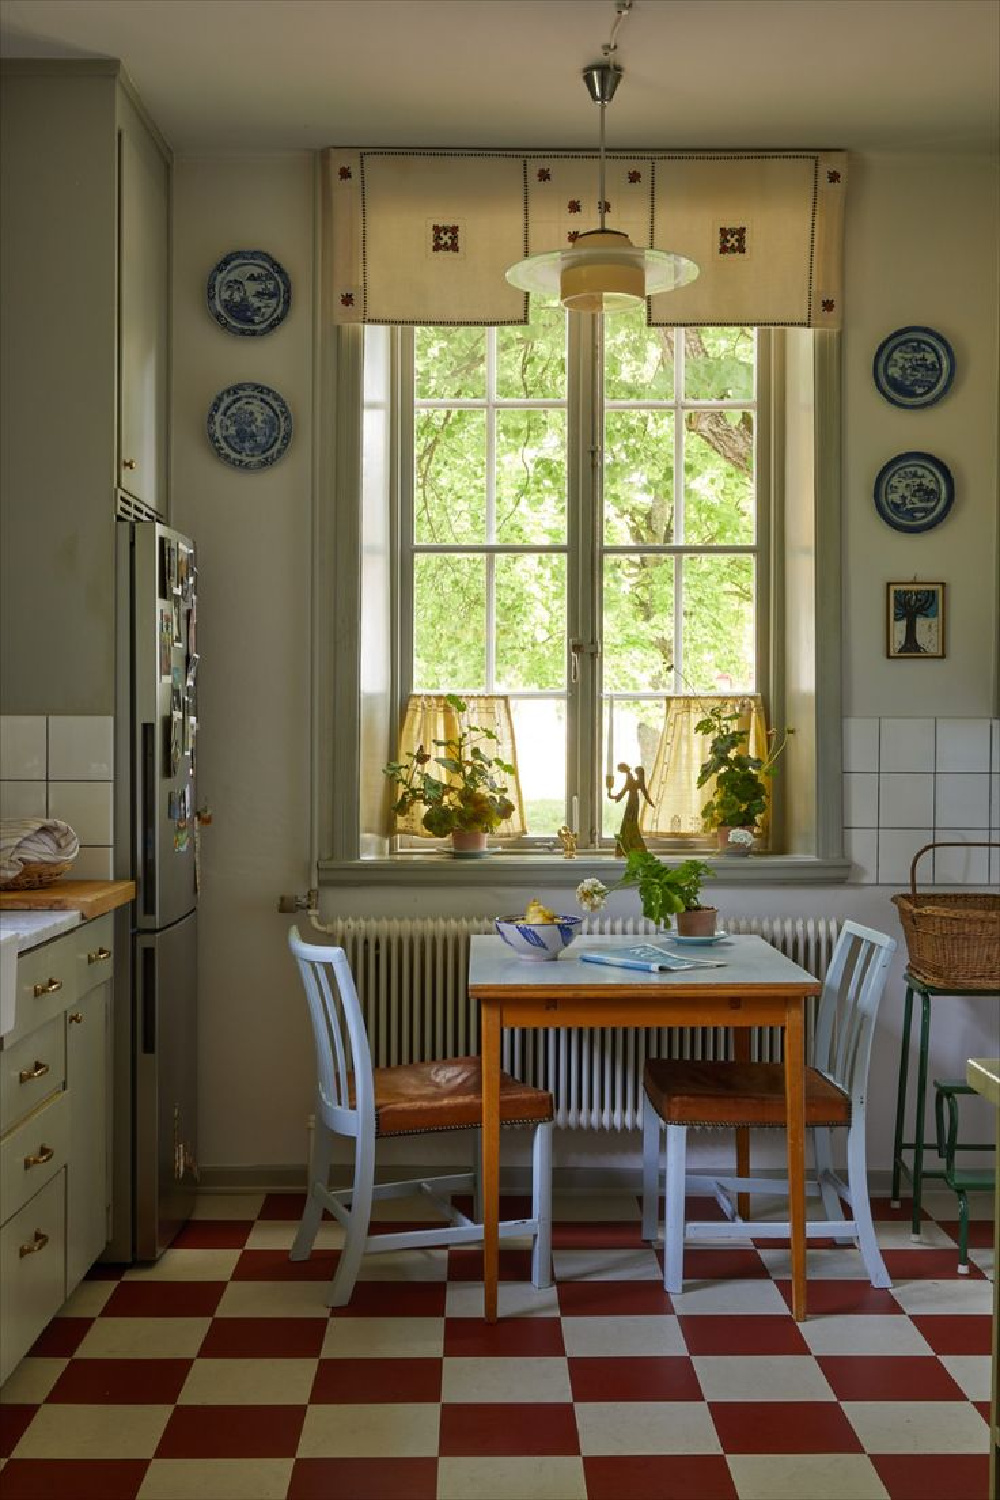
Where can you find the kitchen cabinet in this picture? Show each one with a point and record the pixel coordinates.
(54, 1130)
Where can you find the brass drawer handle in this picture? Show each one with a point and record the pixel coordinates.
(100, 956)
(44, 1154)
(27, 1075)
(75, 1017)
(36, 1243)
(48, 989)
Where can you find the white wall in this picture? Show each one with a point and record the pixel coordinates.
(921, 249)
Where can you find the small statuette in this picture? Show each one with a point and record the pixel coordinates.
(629, 837)
(568, 842)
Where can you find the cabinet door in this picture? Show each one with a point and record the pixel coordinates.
(87, 1172)
(143, 313)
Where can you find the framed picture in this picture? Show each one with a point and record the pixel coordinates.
(914, 620)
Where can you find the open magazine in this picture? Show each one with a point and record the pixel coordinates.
(650, 957)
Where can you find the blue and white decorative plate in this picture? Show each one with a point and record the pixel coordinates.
(249, 293)
(914, 491)
(914, 367)
(249, 425)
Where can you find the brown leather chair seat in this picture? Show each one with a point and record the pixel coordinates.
(419, 1097)
(728, 1093)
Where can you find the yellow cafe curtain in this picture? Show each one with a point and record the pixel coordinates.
(673, 781)
(430, 717)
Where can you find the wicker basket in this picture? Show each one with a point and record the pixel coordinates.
(952, 940)
(34, 877)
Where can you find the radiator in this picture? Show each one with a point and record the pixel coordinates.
(411, 980)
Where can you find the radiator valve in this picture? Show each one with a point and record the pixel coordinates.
(308, 902)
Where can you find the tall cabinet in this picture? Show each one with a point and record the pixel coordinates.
(84, 368)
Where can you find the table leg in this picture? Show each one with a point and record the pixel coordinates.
(490, 1051)
(795, 1110)
(918, 1134)
(904, 1064)
(741, 1053)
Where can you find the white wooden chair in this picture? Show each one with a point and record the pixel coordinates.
(726, 1094)
(365, 1103)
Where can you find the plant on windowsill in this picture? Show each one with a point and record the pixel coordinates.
(664, 891)
(468, 797)
(739, 799)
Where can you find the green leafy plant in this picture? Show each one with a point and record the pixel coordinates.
(740, 796)
(472, 795)
(664, 890)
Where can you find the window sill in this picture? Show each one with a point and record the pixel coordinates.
(552, 871)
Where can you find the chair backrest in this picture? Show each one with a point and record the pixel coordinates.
(343, 1056)
(848, 1006)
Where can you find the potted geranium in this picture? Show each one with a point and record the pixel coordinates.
(739, 798)
(462, 788)
(664, 891)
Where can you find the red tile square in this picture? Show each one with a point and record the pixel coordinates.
(264, 1338)
(284, 1206)
(955, 1335)
(669, 1377)
(364, 1479)
(120, 1382)
(73, 1479)
(509, 1429)
(885, 1377)
(213, 1234)
(714, 1333)
(164, 1299)
(658, 1477)
(513, 1338)
(933, 1476)
(600, 1234)
(394, 1299)
(783, 1427)
(980, 1232)
(61, 1338)
(467, 1265)
(379, 1381)
(13, 1422)
(884, 1213)
(512, 1205)
(983, 1408)
(927, 1265)
(724, 1264)
(608, 1299)
(843, 1297)
(275, 1265)
(232, 1432)
(105, 1271)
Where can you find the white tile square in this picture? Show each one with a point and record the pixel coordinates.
(861, 848)
(228, 1478)
(639, 1264)
(917, 1426)
(630, 1336)
(906, 800)
(395, 1430)
(995, 744)
(971, 1372)
(634, 1427)
(524, 1379)
(538, 1478)
(86, 806)
(22, 747)
(961, 1297)
(961, 866)
(729, 1298)
(515, 1299)
(906, 745)
(81, 747)
(22, 799)
(863, 1333)
(860, 799)
(861, 744)
(94, 862)
(789, 1476)
(383, 1338)
(896, 848)
(761, 1377)
(963, 745)
(961, 800)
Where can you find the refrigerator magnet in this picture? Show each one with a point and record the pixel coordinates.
(168, 567)
(178, 622)
(166, 637)
(183, 570)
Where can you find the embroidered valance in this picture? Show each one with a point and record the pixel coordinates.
(426, 236)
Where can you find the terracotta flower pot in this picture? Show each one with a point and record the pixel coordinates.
(468, 840)
(722, 834)
(701, 922)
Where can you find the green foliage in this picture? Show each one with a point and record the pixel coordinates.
(471, 797)
(740, 796)
(664, 890)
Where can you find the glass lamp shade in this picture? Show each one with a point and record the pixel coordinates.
(602, 272)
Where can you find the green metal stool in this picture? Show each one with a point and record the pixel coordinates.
(961, 1180)
(918, 1172)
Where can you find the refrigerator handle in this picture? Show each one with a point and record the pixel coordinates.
(148, 828)
(149, 999)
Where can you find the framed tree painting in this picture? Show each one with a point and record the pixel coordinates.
(914, 620)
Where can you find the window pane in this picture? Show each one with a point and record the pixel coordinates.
(531, 476)
(531, 622)
(638, 361)
(449, 624)
(449, 476)
(449, 363)
(718, 624)
(638, 477)
(637, 727)
(718, 478)
(531, 361)
(718, 364)
(540, 737)
(638, 630)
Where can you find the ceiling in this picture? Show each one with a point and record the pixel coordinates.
(276, 74)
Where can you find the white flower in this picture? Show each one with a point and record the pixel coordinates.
(591, 894)
(740, 836)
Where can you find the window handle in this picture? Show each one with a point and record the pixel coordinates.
(578, 648)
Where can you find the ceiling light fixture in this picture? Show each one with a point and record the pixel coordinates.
(602, 271)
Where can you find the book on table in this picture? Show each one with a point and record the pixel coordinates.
(649, 957)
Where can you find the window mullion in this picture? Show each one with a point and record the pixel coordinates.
(679, 438)
(491, 509)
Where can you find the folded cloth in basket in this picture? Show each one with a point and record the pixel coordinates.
(34, 841)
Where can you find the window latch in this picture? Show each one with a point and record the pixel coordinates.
(578, 648)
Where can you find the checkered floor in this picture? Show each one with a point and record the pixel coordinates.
(220, 1373)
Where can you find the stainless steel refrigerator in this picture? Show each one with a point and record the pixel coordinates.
(155, 1125)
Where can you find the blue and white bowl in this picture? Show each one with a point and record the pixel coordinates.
(538, 940)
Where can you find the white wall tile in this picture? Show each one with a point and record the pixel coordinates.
(960, 866)
(995, 868)
(906, 801)
(995, 801)
(896, 848)
(861, 744)
(86, 807)
(860, 799)
(81, 747)
(861, 848)
(963, 745)
(961, 800)
(22, 799)
(22, 747)
(93, 863)
(995, 745)
(906, 745)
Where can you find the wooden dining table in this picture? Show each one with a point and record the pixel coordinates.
(753, 986)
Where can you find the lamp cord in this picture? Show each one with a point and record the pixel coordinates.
(608, 50)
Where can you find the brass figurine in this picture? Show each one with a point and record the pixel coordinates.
(628, 836)
(568, 841)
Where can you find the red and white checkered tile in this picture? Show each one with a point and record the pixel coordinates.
(220, 1373)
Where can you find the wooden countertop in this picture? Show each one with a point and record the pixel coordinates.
(91, 898)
